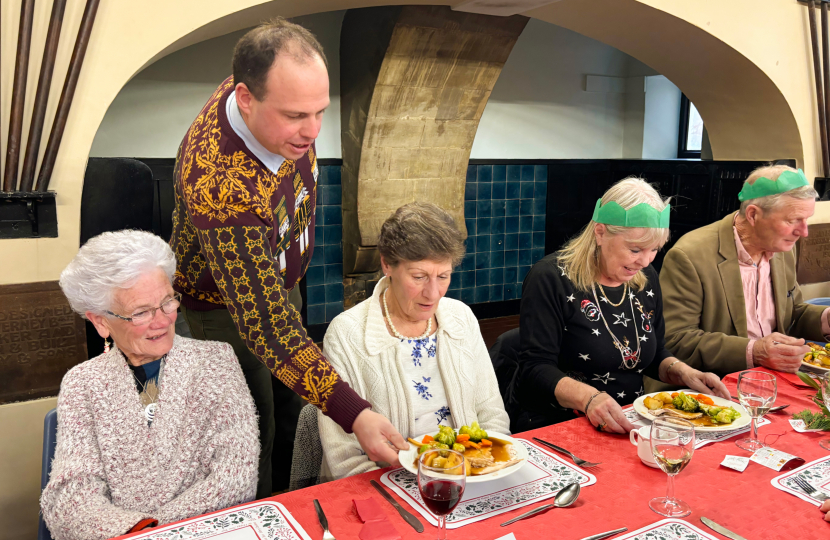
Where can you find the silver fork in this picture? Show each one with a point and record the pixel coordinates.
(810, 490)
(580, 462)
(323, 521)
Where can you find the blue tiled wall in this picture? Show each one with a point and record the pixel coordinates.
(324, 278)
(504, 210)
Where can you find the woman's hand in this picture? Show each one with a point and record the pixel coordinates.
(705, 383)
(606, 412)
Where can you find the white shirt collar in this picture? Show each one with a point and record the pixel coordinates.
(272, 161)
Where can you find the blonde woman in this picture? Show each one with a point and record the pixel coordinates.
(592, 316)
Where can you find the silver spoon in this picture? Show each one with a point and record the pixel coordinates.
(566, 497)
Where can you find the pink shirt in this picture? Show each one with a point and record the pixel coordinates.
(758, 298)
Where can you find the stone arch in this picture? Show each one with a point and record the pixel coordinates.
(746, 114)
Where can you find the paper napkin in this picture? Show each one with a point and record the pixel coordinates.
(376, 526)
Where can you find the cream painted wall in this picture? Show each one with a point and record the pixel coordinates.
(153, 111)
(20, 463)
(538, 109)
(661, 118)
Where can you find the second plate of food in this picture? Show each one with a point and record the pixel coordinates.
(704, 417)
(818, 358)
(503, 458)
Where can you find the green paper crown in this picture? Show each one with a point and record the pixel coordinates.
(642, 215)
(764, 187)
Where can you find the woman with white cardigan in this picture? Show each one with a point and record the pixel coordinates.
(416, 356)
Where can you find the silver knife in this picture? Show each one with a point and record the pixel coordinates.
(721, 529)
(409, 518)
(600, 536)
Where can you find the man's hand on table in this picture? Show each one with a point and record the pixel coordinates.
(705, 383)
(374, 433)
(779, 352)
(605, 410)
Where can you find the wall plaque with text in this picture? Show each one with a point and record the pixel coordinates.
(814, 255)
(41, 338)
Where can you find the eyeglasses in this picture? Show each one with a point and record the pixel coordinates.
(140, 318)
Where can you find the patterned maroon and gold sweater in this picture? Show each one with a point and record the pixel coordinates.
(243, 237)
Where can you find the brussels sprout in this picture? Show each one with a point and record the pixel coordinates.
(423, 448)
(458, 447)
(442, 446)
(726, 416)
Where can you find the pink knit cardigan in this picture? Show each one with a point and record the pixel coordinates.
(111, 470)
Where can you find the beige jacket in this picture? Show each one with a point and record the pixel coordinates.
(363, 352)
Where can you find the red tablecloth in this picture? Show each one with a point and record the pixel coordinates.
(744, 502)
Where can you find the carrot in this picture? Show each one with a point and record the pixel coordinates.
(470, 444)
(462, 438)
(427, 439)
(674, 394)
(704, 399)
(485, 442)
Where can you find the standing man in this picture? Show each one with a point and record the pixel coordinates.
(730, 293)
(243, 234)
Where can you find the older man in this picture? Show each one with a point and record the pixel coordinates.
(243, 234)
(731, 300)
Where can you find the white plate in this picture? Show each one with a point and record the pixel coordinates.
(744, 420)
(814, 367)
(407, 459)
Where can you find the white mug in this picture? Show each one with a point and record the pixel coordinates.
(641, 438)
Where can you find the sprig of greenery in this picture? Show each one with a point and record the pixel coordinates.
(813, 420)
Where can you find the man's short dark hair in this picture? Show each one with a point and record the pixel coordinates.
(254, 54)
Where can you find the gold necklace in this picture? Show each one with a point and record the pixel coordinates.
(618, 304)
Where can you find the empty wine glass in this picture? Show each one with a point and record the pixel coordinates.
(672, 445)
(824, 385)
(756, 391)
(442, 476)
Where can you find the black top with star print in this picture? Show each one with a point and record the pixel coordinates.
(565, 333)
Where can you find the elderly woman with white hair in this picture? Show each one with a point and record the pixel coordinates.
(592, 316)
(156, 429)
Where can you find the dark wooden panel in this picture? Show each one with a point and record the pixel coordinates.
(41, 338)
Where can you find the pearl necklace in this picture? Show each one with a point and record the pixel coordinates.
(395, 330)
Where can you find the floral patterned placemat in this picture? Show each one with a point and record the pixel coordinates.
(668, 529)
(264, 520)
(540, 478)
(816, 473)
(703, 438)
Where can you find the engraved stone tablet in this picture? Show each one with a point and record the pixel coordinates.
(814, 255)
(41, 338)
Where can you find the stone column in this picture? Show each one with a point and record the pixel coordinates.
(414, 83)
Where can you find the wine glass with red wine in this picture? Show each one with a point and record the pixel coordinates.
(442, 475)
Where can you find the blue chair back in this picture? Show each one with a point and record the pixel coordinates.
(50, 439)
(819, 301)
